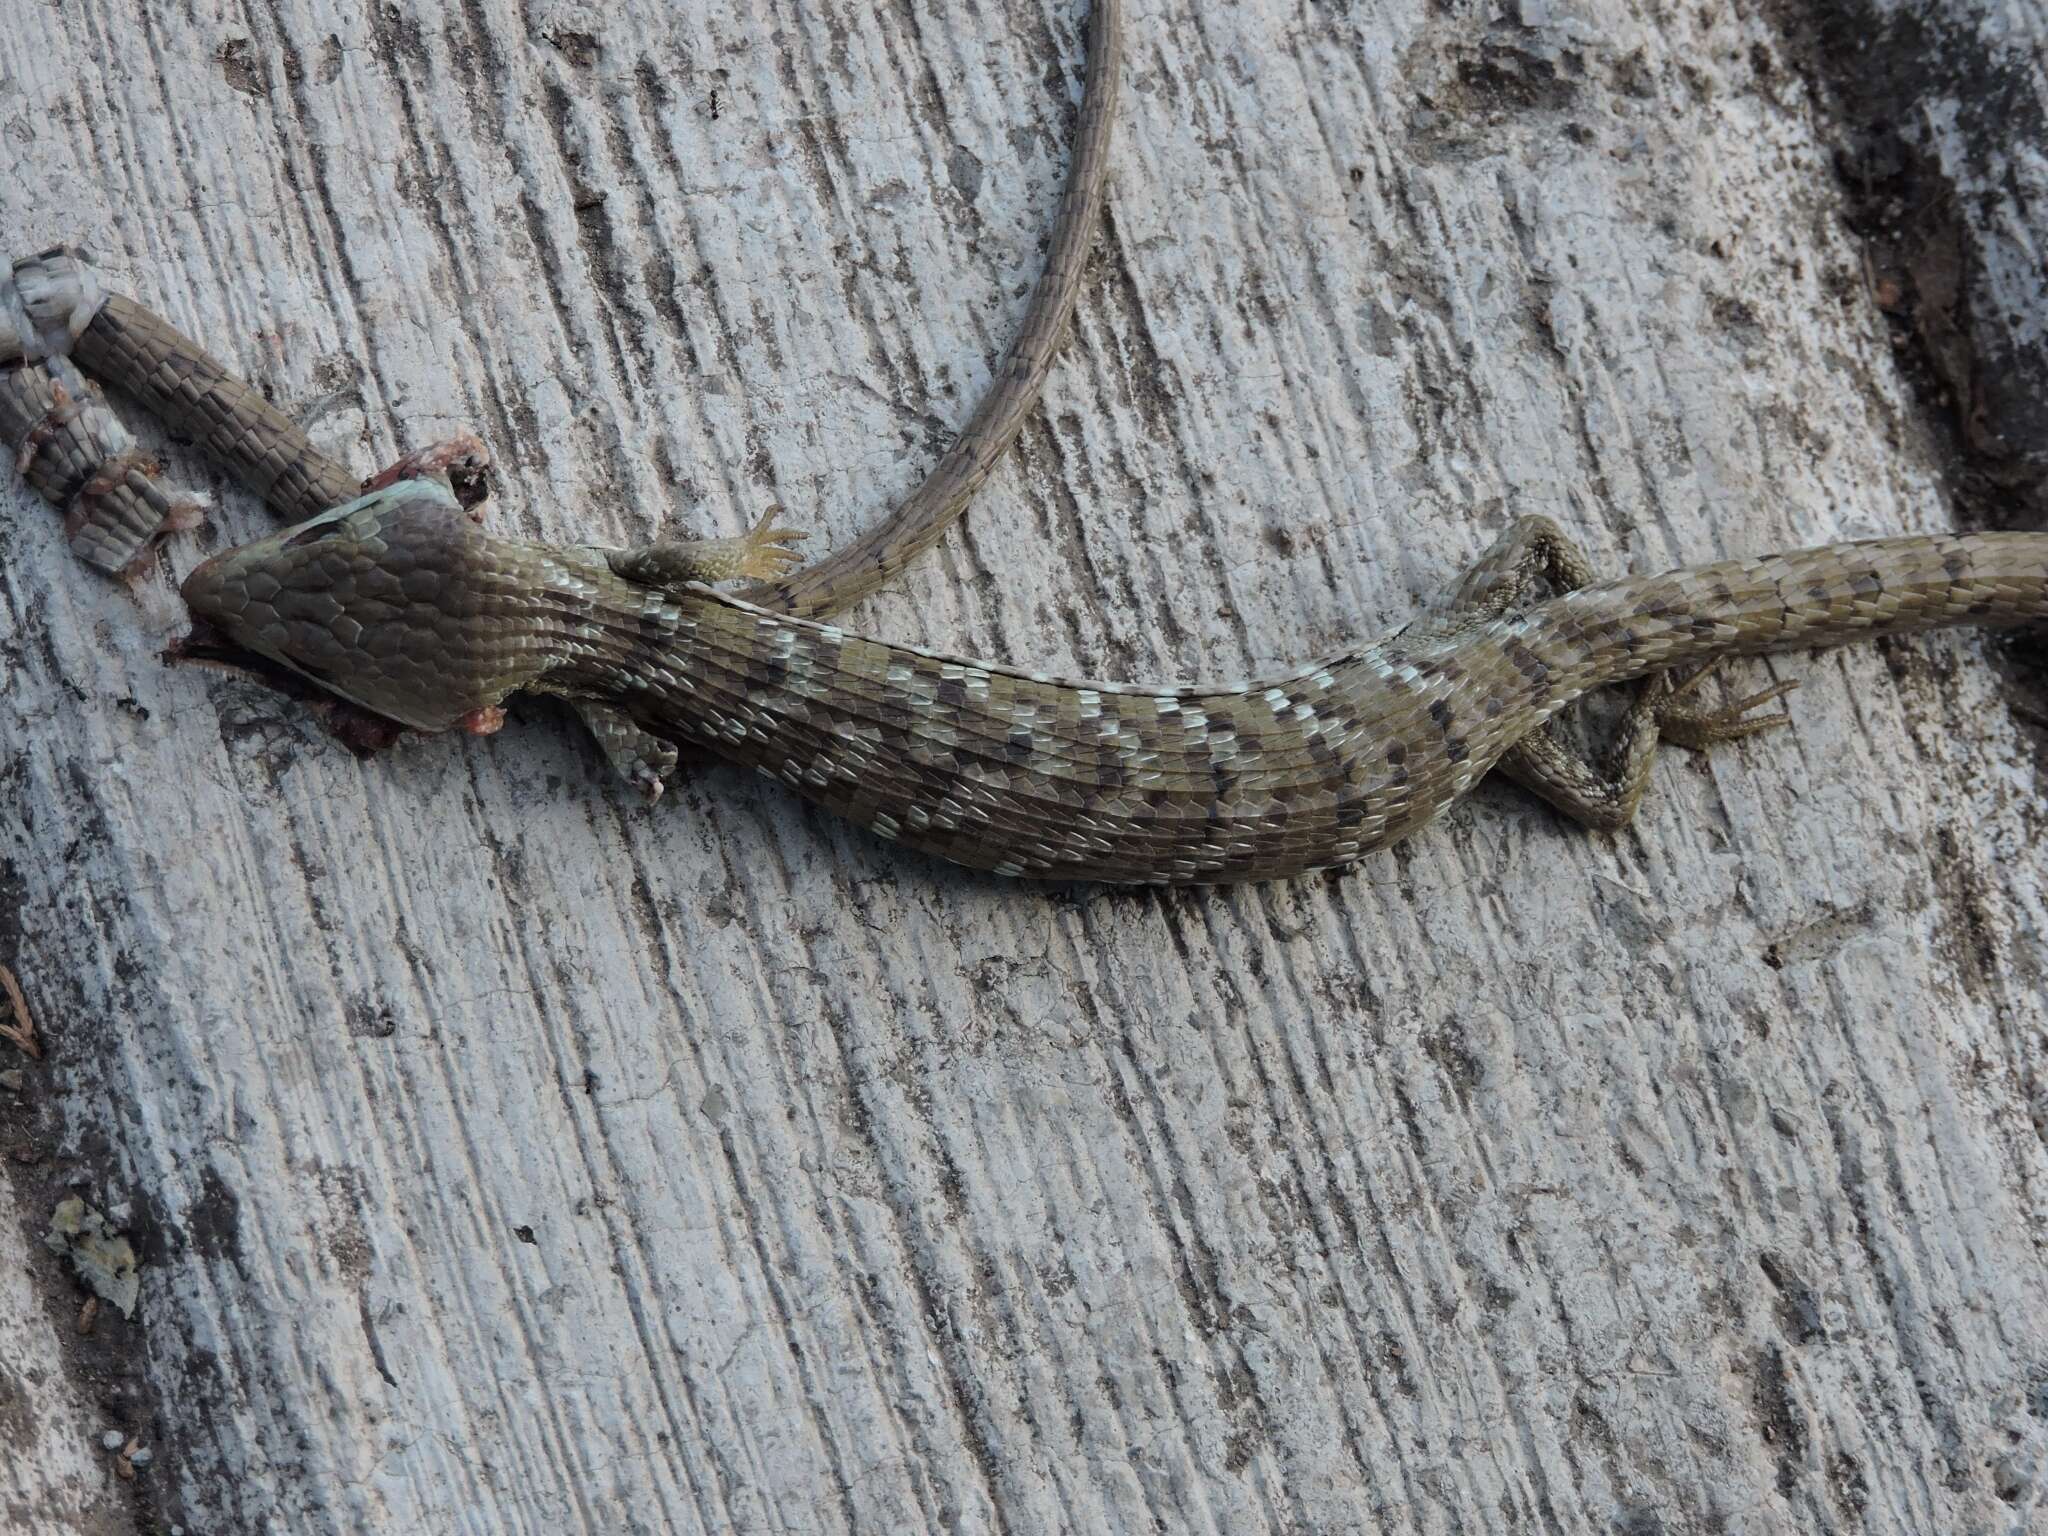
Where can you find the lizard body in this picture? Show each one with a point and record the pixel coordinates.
(401, 603)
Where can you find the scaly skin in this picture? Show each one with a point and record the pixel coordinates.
(851, 572)
(75, 453)
(403, 604)
(144, 355)
(56, 320)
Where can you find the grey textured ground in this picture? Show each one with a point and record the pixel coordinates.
(506, 1157)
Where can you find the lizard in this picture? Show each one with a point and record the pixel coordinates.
(400, 602)
(403, 604)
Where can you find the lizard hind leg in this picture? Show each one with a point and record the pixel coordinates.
(1504, 578)
(1603, 796)
(642, 759)
(1606, 797)
(1700, 726)
(760, 554)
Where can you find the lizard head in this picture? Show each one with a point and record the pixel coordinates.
(386, 601)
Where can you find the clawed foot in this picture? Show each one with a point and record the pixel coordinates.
(462, 461)
(760, 554)
(1700, 726)
(766, 553)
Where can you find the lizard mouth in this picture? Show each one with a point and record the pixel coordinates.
(364, 732)
(207, 645)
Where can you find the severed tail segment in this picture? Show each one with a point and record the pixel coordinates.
(71, 449)
(74, 453)
(57, 326)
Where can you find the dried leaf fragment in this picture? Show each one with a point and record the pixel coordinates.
(22, 1032)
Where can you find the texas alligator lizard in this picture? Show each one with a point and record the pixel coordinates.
(401, 603)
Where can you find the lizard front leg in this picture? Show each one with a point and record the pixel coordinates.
(760, 554)
(641, 758)
(1603, 795)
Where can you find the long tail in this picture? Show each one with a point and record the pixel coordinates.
(851, 572)
(1800, 600)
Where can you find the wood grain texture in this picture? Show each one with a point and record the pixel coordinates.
(510, 1158)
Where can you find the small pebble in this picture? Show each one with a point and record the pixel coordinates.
(113, 1440)
(141, 1458)
(12, 1080)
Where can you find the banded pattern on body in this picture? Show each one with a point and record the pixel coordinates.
(402, 604)
(1025, 775)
